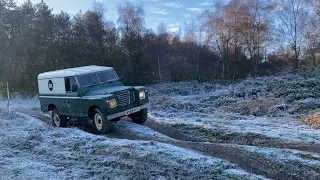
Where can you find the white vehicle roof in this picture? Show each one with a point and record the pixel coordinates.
(72, 72)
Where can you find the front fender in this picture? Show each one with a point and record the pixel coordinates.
(94, 101)
(139, 89)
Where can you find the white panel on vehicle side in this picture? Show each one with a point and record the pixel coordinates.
(52, 86)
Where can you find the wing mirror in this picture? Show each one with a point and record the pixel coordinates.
(74, 88)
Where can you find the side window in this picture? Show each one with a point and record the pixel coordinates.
(69, 82)
(73, 82)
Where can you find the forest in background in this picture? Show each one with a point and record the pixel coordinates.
(228, 41)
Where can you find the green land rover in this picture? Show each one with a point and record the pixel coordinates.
(94, 92)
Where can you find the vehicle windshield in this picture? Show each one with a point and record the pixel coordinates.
(97, 78)
(106, 76)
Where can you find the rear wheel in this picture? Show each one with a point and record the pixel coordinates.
(140, 117)
(58, 120)
(101, 124)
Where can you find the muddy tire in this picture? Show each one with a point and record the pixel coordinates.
(58, 120)
(100, 124)
(140, 117)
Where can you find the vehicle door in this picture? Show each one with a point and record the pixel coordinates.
(72, 101)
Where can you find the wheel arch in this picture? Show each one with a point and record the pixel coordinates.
(51, 107)
(91, 110)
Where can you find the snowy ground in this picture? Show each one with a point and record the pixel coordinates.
(31, 149)
(125, 126)
(20, 102)
(270, 106)
(253, 123)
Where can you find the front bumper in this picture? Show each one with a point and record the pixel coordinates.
(125, 113)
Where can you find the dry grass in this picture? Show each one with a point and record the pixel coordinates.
(256, 107)
(313, 120)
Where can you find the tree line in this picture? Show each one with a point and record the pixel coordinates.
(228, 41)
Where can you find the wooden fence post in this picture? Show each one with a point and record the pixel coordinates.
(8, 104)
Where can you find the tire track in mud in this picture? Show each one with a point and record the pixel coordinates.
(250, 161)
(249, 139)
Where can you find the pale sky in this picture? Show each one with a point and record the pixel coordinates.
(172, 12)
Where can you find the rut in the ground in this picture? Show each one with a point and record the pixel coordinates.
(231, 138)
(249, 161)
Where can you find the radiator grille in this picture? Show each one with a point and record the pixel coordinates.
(123, 98)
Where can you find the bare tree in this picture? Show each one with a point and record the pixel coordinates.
(313, 43)
(192, 34)
(162, 37)
(293, 20)
(99, 8)
(239, 27)
(162, 28)
(254, 24)
(313, 32)
(217, 33)
(131, 18)
(315, 6)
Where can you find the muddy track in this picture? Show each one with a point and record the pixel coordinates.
(250, 161)
(254, 162)
(182, 132)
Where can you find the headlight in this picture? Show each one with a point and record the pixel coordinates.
(112, 103)
(142, 95)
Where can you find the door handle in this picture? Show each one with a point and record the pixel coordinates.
(68, 103)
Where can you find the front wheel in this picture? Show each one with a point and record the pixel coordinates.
(101, 124)
(140, 117)
(58, 120)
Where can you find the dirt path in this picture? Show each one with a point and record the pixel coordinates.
(231, 149)
(205, 135)
(254, 162)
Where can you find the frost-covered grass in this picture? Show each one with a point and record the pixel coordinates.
(270, 106)
(20, 102)
(307, 162)
(288, 155)
(30, 149)
(266, 105)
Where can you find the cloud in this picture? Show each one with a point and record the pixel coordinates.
(186, 15)
(99, 1)
(195, 9)
(174, 5)
(175, 29)
(174, 25)
(158, 11)
(205, 4)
